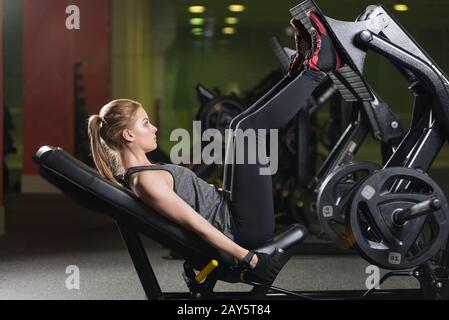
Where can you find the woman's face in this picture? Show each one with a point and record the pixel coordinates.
(144, 132)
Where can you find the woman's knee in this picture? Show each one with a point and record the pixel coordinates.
(243, 121)
(245, 124)
(254, 236)
(235, 121)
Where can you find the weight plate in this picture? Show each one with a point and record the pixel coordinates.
(385, 243)
(334, 199)
(218, 113)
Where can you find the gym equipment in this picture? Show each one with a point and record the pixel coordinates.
(398, 215)
(374, 117)
(399, 218)
(218, 112)
(333, 198)
(133, 217)
(330, 184)
(305, 191)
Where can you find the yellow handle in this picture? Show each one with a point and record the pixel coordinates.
(206, 270)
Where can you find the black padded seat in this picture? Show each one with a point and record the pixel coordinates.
(86, 186)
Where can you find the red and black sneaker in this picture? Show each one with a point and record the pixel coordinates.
(302, 42)
(323, 55)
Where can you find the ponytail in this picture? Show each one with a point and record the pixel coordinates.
(105, 135)
(105, 159)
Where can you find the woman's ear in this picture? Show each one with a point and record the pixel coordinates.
(128, 135)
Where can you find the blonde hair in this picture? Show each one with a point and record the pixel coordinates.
(105, 136)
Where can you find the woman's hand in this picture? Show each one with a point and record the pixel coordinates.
(265, 267)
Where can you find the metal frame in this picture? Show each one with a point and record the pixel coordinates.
(425, 137)
(369, 116)
(417, 150)
(204, 290)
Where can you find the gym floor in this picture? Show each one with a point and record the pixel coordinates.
(43, 240)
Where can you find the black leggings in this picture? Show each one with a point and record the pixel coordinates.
(251, 193)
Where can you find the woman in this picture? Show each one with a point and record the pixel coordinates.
(122, 134)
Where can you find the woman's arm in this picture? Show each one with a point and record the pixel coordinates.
(153, 189)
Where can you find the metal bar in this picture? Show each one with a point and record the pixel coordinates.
(427, 149)
(343, 151)
(394, 294)
(280, 53)
(387, 276)
(140, 260)
(429, 74)
(418, 210)
(409, 143)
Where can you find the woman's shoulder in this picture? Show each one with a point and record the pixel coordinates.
(133, 172)
(151, 180)
(175, 167)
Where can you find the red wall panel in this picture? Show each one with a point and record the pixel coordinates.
(93, 48)
(50, 50)
(47, 73)
(1, 102)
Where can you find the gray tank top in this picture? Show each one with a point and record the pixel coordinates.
(206, 199)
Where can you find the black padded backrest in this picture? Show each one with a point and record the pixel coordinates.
(86, 186)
